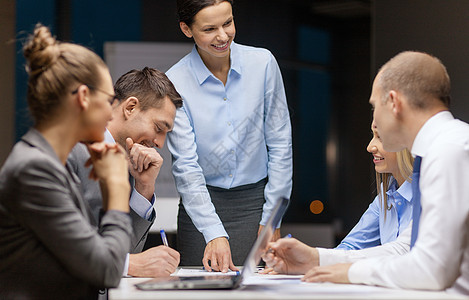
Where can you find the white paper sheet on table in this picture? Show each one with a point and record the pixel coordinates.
(265, 279)
(293, 285)
(201, 272)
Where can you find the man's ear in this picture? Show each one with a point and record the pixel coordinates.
(185, 29)
(129, 107)
(395, 102)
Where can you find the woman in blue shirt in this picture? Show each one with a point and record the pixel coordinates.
(231, 143)
(390, 212)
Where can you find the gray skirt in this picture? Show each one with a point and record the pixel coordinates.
(240, 211)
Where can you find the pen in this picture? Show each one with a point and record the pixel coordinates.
(163, 237)
(270, 250)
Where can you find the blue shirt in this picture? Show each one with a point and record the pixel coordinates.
(372, 229)
(230, 135)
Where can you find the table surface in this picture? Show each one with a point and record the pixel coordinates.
(127, 290)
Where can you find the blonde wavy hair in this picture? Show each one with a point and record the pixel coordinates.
(405, 163)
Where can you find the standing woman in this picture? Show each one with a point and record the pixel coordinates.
(48, 246)
(231, 143)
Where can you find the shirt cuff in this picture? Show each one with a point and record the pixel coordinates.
(331, 256)
(326, 256)
(265, 218)
(213, 232)
(360, 272)
(344, 246)
(141, 205)
(126, 266)
(338, 256)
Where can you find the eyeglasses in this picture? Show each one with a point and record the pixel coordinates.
(112, 98)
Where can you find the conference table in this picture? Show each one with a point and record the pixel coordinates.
(276, 287)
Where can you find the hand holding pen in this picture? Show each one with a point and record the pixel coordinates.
(270, 250)
(268, 270)
(290, 256)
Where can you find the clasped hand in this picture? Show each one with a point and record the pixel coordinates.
(110, 167)
(144, 166)
(107, 161)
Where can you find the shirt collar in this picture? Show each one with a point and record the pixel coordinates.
(405, 190)
(235, 58)
(202, 72)
(108, 138)
(427, 133)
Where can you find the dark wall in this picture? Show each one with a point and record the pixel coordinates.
(27, 15)
(438, 27)
(354, 183)
(262, 23)
(86, 22)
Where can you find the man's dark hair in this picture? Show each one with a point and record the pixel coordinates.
(149, 86)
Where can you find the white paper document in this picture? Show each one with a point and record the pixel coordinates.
(200, 272)
(266, 279)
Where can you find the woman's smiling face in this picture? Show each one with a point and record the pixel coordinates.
(213, 30)
(385, 162)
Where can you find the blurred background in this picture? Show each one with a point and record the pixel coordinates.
(328, 52)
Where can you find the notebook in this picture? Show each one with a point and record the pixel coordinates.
(223, 281)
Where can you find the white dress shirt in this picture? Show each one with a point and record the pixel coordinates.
(440, 258)
(399, 246)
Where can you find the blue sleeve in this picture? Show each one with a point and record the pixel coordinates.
(278, 140)
(141, 205)
(190, 180)
(366, 233)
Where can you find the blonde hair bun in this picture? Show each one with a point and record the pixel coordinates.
(55, 69)
(41, 51)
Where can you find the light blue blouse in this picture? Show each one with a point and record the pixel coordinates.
(372, 229)
(230, 135)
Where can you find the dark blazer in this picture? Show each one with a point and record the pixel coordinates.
(48, 245)
(92, 195)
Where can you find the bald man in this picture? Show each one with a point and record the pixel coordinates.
(410, 98)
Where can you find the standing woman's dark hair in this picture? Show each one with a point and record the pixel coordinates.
(53, 67)
(187, 9)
